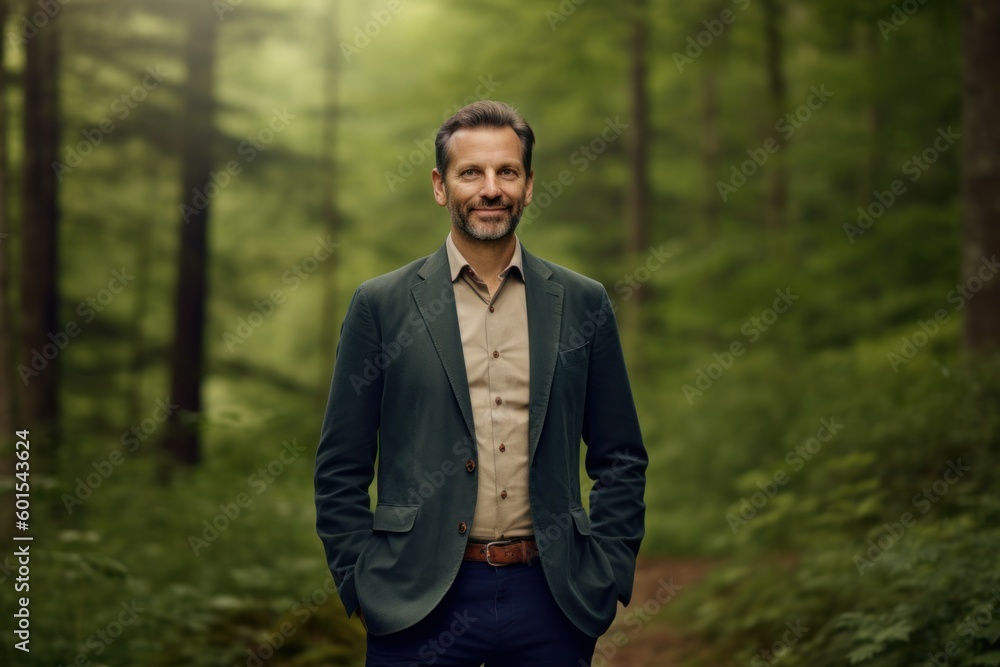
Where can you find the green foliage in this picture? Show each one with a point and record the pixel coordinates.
(191, 572)
(890, 557)
(826, 358)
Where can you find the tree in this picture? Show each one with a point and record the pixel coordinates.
(637, 196)
(981, 171)
(711, 143)
(637, 166)
(328, 170)
(188, 352)
(6, 360)
(42, 341)
(777, 182)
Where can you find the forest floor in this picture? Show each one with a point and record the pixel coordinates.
(640, 636)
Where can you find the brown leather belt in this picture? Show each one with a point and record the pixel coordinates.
(502, 552)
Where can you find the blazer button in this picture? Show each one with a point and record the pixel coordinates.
(470, 465)
(462, 527)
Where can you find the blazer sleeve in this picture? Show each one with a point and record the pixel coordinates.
(345, 458)
(616, 458)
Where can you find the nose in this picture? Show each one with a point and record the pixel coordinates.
(491, 186)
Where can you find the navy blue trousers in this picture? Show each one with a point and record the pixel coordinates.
(492, 616)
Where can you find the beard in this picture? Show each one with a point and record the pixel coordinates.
(496, 226)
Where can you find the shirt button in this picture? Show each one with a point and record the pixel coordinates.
(503, 494)
(498, 400)
(470, 465)
(462, 527)
(503, 447)
(491, 309)
(495, 354)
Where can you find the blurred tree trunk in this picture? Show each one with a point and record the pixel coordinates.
(7, 375)
(637, 196)
(6, 325)
(331, 219)
(143, 239)
(711, 144)
(637, 192)
(42, 340)
(981, 172)
(187, 358)
(775, 208)
(710, 149)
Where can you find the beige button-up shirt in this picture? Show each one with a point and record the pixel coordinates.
(495, 345)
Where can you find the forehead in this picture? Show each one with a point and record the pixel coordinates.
(485, 144)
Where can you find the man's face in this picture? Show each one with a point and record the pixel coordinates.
(485, 187)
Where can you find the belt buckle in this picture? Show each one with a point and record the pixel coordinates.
(501, 543)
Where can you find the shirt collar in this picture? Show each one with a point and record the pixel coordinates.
(456, 262)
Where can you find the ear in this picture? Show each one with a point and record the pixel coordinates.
(529, 187)
(440, 192)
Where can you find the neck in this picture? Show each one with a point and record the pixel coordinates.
(488, 258)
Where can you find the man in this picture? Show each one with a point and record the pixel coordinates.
(472, 374)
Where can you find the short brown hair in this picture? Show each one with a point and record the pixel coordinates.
(484, 113)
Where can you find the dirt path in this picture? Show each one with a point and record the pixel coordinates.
(638, 637)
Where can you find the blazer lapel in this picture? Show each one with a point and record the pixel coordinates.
(544, 299)
(435, 287)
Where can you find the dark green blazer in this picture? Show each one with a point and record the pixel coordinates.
(400, 395)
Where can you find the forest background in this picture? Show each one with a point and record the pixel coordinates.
(793, 205)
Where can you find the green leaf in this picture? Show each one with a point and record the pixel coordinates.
(992, 659)
(863, 652)
(899, 631)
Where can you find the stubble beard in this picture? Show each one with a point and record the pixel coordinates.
(492, 228)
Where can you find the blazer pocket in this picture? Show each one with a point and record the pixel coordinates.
(577, 355)
(394, 518)
(581, 520)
